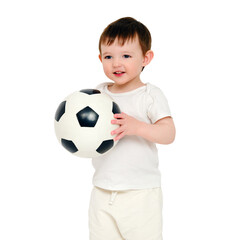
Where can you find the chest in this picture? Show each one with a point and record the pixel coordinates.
(136, 107)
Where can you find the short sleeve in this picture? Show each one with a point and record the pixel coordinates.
(158, 107)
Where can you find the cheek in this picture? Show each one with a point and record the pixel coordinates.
(106, 68)
(136, 67)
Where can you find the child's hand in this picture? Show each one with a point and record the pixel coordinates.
(128, 125)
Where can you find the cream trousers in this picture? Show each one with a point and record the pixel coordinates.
(125, 215)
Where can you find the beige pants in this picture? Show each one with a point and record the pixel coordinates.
(126, 215)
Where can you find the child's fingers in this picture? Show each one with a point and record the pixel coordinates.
(119, 136)
(120, 115)
(117, 131)
(119, 122)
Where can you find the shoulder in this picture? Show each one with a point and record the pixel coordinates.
(154, 93)
(153, 90)
(101, 87)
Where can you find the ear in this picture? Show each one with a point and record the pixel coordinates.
(148, 57)
(100, 57)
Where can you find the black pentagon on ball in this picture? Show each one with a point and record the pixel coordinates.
(105, 146)
(69, 145)
(87, 117)
(60, 111)
(115, 108)
(90, 91)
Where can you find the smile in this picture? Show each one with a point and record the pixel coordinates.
(118, 73)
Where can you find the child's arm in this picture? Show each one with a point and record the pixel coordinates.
(162, 132)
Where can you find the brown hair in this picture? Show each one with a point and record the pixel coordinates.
(125, 29)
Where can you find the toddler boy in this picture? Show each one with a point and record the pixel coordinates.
(126, 200)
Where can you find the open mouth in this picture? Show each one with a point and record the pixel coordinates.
(118, 73)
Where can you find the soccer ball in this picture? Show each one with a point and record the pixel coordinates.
(83, 123)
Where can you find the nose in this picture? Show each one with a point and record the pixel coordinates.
(116, 62)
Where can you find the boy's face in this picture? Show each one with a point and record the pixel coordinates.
(123, 64)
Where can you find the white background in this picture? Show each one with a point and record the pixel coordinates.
(49, 49)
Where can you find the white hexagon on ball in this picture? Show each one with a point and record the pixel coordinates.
(83, 123)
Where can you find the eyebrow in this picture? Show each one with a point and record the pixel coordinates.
(106, 53)
(123, 52)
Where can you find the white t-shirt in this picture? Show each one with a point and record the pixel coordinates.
(133, 162)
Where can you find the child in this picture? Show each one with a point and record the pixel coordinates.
(126, 200)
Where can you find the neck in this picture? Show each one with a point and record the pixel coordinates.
(120, 88)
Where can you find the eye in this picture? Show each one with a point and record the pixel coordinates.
(126, 56)
(107, 57)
